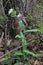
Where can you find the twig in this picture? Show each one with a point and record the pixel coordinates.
(14, 50)
(1, 37)
(10, 52)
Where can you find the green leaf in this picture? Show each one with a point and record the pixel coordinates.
(32, 30)
(33, 54)
(21, 24)
(13, 13)
(27, 63)
(29, 53)
(23, 38)
(17, 36)
(18, 54)
(16, 64)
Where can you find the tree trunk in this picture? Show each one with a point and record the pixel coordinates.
(28, 6)
(31, 6)
(1, 8)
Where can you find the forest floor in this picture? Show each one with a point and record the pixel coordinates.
(11, 46)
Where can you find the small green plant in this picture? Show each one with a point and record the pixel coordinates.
(7, 60)
(24, 53)
(12, 12)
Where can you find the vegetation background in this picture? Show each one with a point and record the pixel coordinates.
(21, 29)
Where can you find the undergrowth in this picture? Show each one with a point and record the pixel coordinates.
(24, 54)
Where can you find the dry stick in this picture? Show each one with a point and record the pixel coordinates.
(10, 51)
(14, 50)
(6, 3)
(1, 37)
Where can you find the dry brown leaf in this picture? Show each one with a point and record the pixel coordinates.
(1, 59)
(1, 53)
(8, 42)
(0, 49)
(41, 52)
(38, 62)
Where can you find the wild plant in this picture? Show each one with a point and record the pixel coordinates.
(24, 53)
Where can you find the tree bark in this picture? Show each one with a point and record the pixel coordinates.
(1, 8)
(31, 6)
